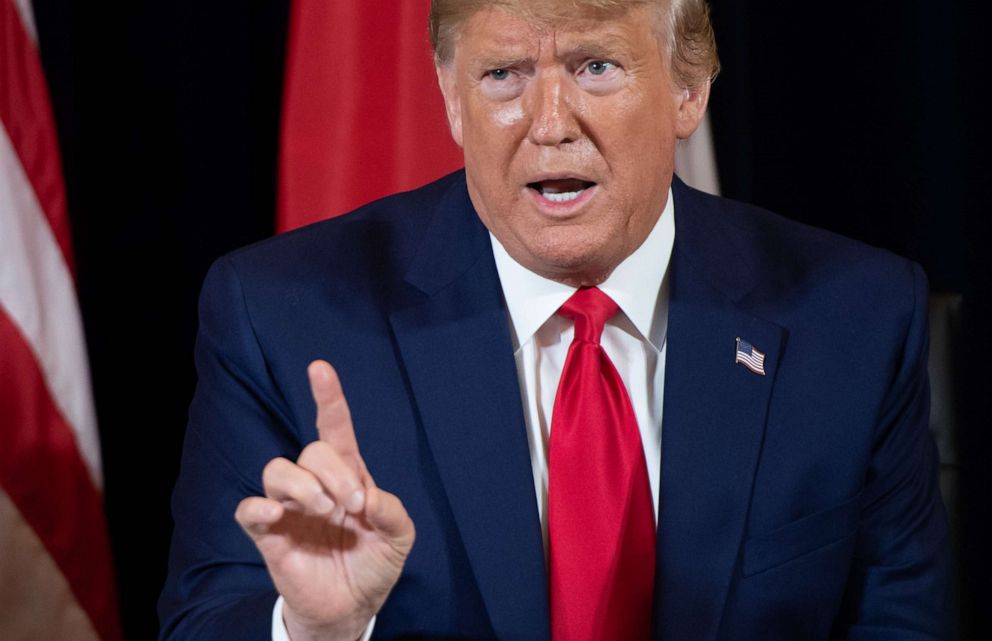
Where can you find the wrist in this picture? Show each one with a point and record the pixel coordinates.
(299, 628)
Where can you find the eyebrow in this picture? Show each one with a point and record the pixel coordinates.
(605, 46)
(608, 47)
(496, 60)
(508, 52)
(587, 50)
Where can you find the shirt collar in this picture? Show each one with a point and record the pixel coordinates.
(635, 285)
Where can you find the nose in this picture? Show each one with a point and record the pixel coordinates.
(552, 121)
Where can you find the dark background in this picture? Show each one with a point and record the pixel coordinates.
(867, 120)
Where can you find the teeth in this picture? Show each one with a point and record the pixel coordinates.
(563, 197)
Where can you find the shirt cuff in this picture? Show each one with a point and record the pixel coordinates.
(279, 632)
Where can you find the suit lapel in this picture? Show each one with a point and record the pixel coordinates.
(714, 419)
(455, 344)
(454, 341)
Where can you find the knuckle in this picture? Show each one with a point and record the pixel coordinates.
(272, 470)
(303, 489)
(240, 513)
(313, 491)
(312, 455)
(247, 512)
(335, 486)
(339, 481)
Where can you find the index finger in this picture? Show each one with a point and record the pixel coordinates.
(334, 425)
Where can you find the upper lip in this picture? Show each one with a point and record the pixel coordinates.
(560, 175)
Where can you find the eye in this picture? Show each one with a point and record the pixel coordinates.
(502, 83)
(599, 67)
(600, 77)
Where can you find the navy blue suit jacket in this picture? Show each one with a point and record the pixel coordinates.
(797, 505)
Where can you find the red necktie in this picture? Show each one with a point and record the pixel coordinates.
(600, 519)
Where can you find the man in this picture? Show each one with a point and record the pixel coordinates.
(764, 471)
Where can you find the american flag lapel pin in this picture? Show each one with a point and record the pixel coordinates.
(750, 357)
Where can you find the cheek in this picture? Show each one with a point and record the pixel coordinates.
(651, 139)
(492, 138)
(644, 159)
(509, 115)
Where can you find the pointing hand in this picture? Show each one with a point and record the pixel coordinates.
(334, 543)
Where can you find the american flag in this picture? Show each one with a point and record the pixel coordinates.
(750, 357)
(55, 563)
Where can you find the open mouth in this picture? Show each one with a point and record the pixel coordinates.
(561, 190)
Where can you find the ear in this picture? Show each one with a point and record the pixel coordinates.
(452, 103)
(691, 109)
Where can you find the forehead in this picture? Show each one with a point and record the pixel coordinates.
(497, 28)
(561, 10)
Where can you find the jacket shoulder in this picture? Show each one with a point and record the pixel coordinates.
(379, 237)
(787, 258)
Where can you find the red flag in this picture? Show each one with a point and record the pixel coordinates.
(56, 576)
(362, 115)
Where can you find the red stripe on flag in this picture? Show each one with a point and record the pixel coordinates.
(42, 472)
(362, 114)
(26, 114)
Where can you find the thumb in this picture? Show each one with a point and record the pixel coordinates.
(385, 512)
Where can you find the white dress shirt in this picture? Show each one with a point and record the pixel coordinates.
(635, 340)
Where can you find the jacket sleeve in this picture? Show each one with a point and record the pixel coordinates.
(218, 587)
(898, 587)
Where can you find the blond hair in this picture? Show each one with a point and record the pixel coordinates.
(684, 25)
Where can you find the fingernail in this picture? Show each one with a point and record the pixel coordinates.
(357, 501)
(324, 504)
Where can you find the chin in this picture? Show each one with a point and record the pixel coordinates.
(571, 267)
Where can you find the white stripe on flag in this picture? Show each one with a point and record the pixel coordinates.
(695, 160)
(38, 293)
(27, 19)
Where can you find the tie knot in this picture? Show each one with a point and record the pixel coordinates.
(590, 308)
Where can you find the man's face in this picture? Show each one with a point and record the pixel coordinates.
(569, 133)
